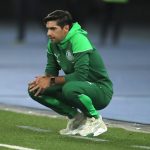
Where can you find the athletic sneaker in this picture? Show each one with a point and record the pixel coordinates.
(73, 124)
(92, 127)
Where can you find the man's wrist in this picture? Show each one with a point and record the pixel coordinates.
(57, 80)
(52, 80)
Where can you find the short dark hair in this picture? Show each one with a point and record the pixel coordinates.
(61, 16)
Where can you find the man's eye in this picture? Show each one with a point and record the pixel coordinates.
(53, 29)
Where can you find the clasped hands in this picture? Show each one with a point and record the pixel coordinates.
(39, 84)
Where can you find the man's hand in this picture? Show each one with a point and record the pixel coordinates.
(39, 84)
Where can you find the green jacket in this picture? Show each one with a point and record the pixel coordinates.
(78, 58)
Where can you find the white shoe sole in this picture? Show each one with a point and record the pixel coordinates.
(99, 131)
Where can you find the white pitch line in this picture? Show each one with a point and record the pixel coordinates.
(141, 146)
(34, 129)
(89, 138)
(15, 147)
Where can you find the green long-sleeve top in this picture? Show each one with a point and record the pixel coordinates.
(78, 58)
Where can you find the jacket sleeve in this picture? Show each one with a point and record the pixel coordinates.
(52, 67)
(81, 67)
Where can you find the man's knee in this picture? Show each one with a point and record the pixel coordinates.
(69, 90)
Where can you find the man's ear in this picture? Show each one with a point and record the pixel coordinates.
(66, 28)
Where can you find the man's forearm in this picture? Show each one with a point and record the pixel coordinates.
(59, 80)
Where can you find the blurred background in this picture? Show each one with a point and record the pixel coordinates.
(120, 30)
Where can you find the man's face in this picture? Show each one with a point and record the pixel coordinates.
(55, 32)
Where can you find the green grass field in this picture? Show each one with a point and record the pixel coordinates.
(42, 133)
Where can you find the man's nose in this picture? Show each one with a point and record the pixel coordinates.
(49, 33)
